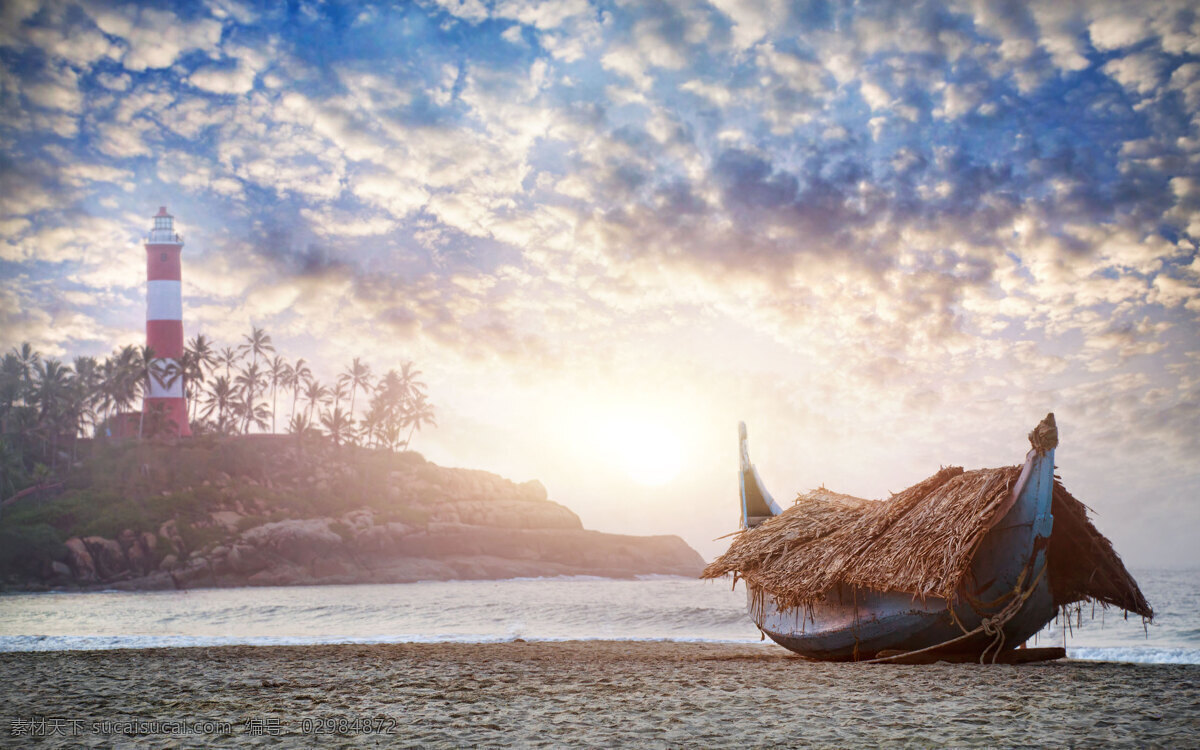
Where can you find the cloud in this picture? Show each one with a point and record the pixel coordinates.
(155, 38)
(59, 89)
(831, 214)
(1139, 73)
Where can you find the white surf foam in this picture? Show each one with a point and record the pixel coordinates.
(1147, 655)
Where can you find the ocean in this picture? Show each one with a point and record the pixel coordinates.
(550, 609)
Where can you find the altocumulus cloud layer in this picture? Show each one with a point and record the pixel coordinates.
(922, 222)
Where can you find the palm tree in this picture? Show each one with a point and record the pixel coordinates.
(299, 375)
(87, 381)
(10, 384)
(119, 384)
(27, 359)
(337, 393)
(337, 424)
(50, 391)
(278, 373)
(392, 400)
(202, 347)
(197, 355)
(357, 375)
(251, 413)
(372, 424)
(12, 466)
(228, 357)
(418, 411)
(248, 382)
(148, 368)
(315, 393)
(257, 343)
(301, 428)
(299, 425)
(409, 387)
(219, 399)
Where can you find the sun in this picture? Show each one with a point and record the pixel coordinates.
(648, 452)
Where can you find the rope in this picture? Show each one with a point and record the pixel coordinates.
(993, 626)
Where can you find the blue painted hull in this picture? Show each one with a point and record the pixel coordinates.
(854, 624)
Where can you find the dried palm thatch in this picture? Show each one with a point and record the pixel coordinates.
(920, 542)
(1082, 563)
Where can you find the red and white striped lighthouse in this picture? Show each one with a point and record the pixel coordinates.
(164, 318)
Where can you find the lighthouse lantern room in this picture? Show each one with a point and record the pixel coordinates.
(164, 322)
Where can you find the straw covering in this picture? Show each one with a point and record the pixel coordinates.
(920, 541)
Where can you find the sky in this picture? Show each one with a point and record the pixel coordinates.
(887, 236)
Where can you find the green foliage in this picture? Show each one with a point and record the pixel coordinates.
(245, 523)
(196, 536)
(30, 548)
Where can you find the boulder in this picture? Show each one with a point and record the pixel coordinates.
(197, 572)
(332, 567)
(108, 556)
(280, 575)
(139, 561)
(169, 531)
(245, 560)
(168, 562)
(80, 560)
(60, 571)
(227, 518)
(299, 541)
(127, 539)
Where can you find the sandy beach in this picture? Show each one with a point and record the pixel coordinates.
(576, 694)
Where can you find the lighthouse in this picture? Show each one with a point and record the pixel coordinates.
(164, 320)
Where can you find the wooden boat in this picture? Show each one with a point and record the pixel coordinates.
(1005, 596)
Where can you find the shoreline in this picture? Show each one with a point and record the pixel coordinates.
(1151, 655)
(583, 693)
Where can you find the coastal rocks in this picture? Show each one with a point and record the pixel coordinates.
(513, 514)
(108, 556)
(381, 541)
(577, 551)
(412, 569)
(80, 560)
(280, 575)
(299, 541)
(138, 550)
(169, 531)
(227, 518)
(196, 572)
(416, 522)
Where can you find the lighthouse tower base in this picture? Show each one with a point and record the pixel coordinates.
(165, 416)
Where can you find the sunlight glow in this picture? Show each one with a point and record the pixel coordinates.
(648, 452)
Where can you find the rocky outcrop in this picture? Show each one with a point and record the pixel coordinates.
(108, 556)
(432, 524)
(83, 568)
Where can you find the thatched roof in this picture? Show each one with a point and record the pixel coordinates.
(920, 542)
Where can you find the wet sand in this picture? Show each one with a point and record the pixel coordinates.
(596, 694)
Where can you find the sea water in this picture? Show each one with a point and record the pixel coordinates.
(576, 608)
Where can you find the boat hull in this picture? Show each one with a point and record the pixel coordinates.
(857, 624)
(852, 623)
